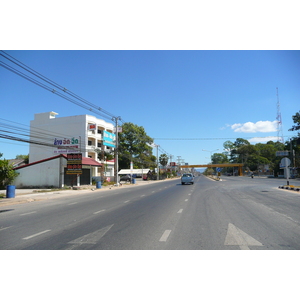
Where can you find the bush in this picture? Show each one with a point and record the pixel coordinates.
(7, 174)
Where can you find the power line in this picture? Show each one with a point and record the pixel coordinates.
(87, 105)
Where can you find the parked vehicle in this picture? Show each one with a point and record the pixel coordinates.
(187, 178)
(126, 178)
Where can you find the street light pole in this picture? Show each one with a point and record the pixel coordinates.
(210, 152)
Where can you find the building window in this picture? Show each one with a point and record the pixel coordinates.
(90, 143)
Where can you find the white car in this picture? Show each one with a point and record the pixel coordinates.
(187, 178)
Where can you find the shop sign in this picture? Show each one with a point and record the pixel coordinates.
(74, 163)
(92, 126)
(109, 139)
(66, 145)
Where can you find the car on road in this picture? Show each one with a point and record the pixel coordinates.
(187, 178)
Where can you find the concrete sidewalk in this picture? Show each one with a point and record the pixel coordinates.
(30, 195)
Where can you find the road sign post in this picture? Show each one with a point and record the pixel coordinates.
(285, 163)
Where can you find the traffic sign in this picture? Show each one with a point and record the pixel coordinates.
(282, 153)
(285, 162)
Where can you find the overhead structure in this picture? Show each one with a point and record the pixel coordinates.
(240, 166)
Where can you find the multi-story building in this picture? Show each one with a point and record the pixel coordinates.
(51, 135)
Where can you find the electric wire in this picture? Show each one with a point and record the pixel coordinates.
(51, 82)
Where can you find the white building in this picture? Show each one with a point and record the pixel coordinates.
(51, 172)
(62, 135)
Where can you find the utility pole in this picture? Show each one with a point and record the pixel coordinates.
(157, 162)
(116, 165)
(178, 163)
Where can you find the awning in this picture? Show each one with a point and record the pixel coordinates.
(90, 162)
(134, 171)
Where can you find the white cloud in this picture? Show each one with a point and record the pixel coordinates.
(262, 139)
(260, 126)
(224, 127)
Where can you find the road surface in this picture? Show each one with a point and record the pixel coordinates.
(236, 213)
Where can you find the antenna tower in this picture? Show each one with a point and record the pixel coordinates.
(279, 121)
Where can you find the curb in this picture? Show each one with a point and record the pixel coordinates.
(290, 187)
(32, 197)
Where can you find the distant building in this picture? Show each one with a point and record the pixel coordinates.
(51, 136)
(16, 162)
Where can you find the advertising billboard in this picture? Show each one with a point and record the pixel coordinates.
(66, 145)
(109, 139)
(74, 163)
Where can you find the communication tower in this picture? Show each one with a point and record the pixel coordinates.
(279, 121)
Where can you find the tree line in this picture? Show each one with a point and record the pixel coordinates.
(261, 157)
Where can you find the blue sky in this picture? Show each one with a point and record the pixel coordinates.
(207, 96)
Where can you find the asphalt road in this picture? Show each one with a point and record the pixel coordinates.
(236, 213)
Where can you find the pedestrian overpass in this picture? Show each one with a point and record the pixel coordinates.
(240, 170)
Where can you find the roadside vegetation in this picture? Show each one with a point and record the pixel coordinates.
(259, 157)
(7, 174)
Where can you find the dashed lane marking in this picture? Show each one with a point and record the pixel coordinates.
(29, 213)
(186, 200)
(165, 236)
(180, 211)
(100, 211)
(34, 235)
(4, 228)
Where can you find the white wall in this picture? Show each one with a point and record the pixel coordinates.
(41, 174)
(46, 127)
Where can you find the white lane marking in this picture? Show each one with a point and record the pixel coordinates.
(143, 195)
(34, 235)
(97, 212)
(189, 194)
(29, 213)
(165, 236)
(93, 237)
(126, 201)
(180, 211)
(73, 203)
(4, 228)
(186, 200)
(236, 236)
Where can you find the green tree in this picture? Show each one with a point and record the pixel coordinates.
(22, 156)
(163, 159)
(7, 174)
(296, 119)
(219, 158)
(134, 145)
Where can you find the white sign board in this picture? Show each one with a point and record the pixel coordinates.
(285, 162)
